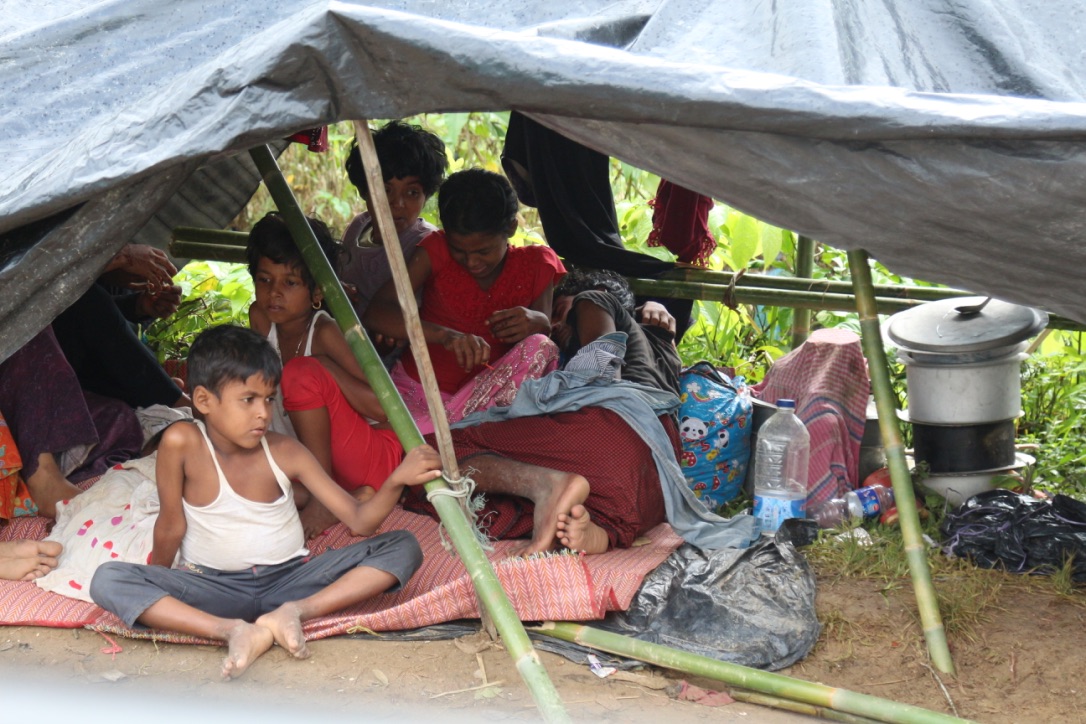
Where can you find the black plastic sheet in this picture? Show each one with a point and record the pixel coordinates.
(1019, 533)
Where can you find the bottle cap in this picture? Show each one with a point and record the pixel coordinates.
(788, 404)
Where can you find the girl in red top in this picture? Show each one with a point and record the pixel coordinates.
(485, 305)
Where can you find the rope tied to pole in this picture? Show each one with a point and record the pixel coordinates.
(463, 488)
(729, 299)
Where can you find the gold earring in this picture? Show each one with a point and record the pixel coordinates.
(317, 304)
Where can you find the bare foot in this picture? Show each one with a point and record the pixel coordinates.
(47, 486)
(246, 643)
(25, 560)
(577, 531)
(285, 623)
(561, 493)
(316, 519)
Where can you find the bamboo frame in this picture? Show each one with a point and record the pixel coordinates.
(460, 533)
(801, 318)
(842, 700)
(904, 498)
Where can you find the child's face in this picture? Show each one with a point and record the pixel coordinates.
(240, 414)
(481, 254)
(281, 292)
(406, 199)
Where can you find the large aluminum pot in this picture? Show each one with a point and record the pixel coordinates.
(958, 394)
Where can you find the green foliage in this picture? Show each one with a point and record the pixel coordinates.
(212, 293)
(1054, 413)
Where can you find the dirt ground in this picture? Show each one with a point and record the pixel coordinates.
(1021, 662)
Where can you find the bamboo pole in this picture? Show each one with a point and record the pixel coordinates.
(819, 712)
(904, 498)
(797, 283)
(801, 319)
(762, 295)
(460, 533)
(206, 245)
(843, 700)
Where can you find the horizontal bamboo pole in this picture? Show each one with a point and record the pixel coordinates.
(221, 246)
(819, 712)
(806, 284)
(766, 682)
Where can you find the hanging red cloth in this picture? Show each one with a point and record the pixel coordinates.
(680, 223)
(316, 139)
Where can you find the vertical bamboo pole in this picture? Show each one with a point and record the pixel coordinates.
(460, 532)
(885, 401)
(801, 318)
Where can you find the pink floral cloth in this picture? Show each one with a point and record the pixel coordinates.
(530, 358)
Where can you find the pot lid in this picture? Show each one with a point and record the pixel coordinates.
(939, 327)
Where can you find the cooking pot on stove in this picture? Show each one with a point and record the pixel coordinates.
(964, 368)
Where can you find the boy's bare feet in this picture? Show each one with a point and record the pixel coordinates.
(316, 518)
(554, 493)
(285, 623)
(577, 531)
(25, 560)
(246, 642)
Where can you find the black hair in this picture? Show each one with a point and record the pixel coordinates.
(271, 238)
(229, 353)
(476, 201)
(402, 150)
(583, 280)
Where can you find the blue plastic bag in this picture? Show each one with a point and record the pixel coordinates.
(714, 424)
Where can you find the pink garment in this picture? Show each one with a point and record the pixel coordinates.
(531, 358)
(361, 453)
(827, 377)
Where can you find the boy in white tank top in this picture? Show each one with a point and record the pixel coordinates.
(244, 575)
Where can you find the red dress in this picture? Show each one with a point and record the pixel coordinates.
(453, 299)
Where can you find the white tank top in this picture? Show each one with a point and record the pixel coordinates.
(232, 533)
(280, 422)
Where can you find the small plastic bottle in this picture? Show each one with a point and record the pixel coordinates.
(830, 514)
(869, 502)
(780, 469)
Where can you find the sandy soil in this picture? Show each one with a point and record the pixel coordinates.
(1022, 663)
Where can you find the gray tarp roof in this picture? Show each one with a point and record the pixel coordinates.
(946, 137)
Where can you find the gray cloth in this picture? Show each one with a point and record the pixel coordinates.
(639, 406)
(129, 589)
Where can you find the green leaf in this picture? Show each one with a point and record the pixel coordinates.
(771, 238)
(744, 239)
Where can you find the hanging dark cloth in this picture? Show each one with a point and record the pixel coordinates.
(570, 185)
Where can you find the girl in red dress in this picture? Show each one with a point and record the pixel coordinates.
(485, 308)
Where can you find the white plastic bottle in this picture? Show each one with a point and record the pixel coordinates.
(780, 469)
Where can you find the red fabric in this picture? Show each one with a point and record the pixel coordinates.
(315, 139)
(453, 299)
(625, 498)
(680, 223)
(361, 454)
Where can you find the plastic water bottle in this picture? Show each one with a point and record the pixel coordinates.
(830, 514)
(869, 502)
(780, 469)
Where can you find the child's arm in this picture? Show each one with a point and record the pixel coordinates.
(170, 526)
(384, 316)
(419, 466)
(258, 321)
(331, 349)
(513, 325)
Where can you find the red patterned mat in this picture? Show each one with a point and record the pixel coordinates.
(561, 586)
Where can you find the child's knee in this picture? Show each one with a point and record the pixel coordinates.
(107, 578)
(406, 544)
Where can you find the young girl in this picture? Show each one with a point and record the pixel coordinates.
(482, 300)
(328, 403)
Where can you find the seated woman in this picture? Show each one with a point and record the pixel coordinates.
(481, 300)
(328, 403)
